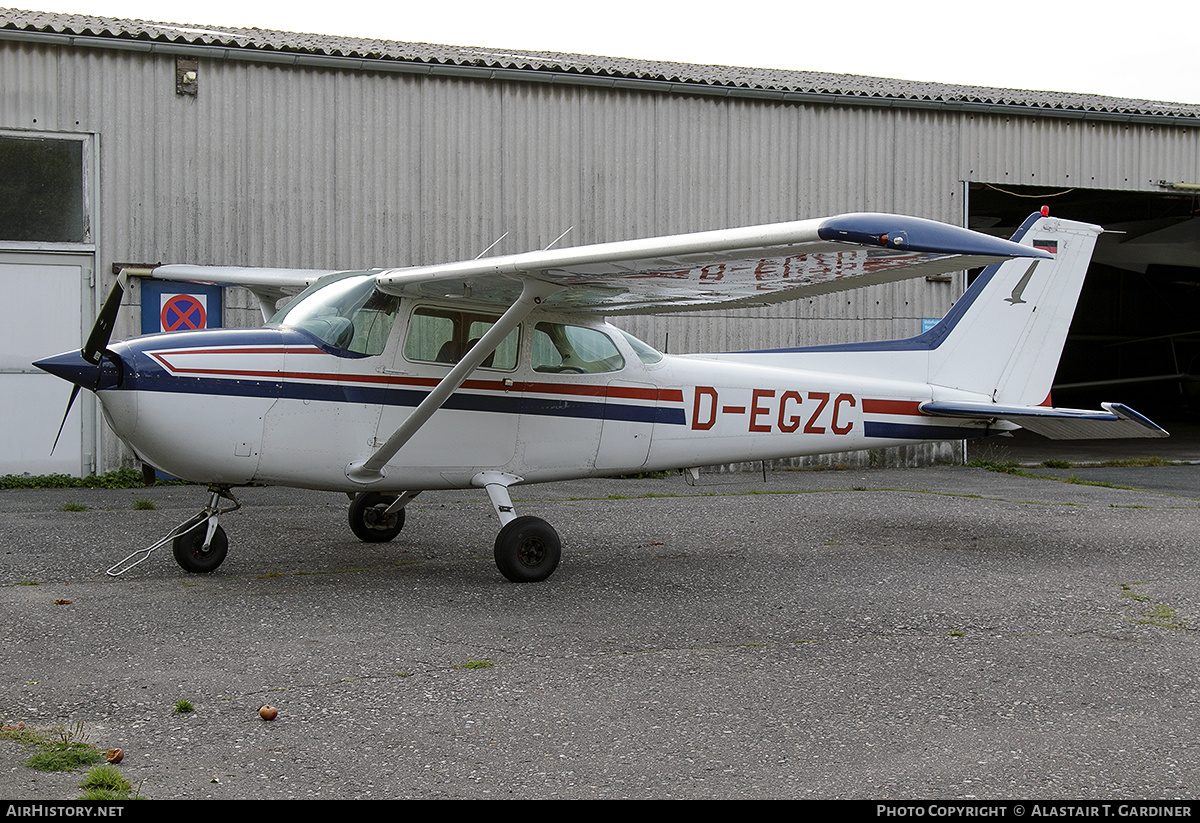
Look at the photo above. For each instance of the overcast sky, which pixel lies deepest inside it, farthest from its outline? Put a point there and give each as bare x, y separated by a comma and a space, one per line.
1143, 50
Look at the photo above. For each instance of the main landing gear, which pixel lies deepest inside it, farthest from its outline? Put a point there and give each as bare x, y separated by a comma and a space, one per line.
527, 549
378, 518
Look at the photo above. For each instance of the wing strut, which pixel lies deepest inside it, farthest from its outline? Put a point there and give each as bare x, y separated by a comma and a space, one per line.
533, 292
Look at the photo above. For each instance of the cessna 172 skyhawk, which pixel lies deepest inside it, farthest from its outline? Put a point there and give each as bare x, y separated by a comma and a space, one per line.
498, 371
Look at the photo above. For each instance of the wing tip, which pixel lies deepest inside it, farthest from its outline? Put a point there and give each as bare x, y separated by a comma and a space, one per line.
904, 233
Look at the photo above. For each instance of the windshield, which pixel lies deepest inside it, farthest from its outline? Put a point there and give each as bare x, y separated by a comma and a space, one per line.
347, 312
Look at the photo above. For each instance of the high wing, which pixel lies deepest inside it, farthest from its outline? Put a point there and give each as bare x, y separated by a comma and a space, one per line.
726, 268
718, 269
268, 285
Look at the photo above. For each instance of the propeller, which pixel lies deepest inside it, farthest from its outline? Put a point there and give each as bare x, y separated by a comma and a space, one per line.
101, 333
96, 343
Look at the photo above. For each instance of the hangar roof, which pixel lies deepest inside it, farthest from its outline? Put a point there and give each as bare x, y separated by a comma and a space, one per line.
580, 68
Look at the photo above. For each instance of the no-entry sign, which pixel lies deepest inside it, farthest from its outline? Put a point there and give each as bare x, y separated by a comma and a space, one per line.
181, 312
168, 306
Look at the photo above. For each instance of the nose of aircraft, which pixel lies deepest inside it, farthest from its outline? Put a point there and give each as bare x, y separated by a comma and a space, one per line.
74, 368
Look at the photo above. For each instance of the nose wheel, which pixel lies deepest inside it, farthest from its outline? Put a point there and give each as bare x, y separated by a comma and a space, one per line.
198, 553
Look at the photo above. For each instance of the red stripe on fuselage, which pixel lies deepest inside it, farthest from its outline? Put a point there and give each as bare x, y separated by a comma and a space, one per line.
575, 389
905, 407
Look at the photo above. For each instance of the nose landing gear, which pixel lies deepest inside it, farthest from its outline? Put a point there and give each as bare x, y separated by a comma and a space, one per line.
198, 543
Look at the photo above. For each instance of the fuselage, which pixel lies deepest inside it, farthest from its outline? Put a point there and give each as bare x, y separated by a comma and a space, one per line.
562, 398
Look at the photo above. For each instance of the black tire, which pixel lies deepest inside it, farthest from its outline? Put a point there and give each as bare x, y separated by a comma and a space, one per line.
368, 521
527, 550
189, 551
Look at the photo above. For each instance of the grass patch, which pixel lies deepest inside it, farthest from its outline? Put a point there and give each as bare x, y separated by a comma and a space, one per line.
1009, 467
60, 749
145, 505
26, 735
184, 707
1108, 464
1156, 614
1002, 466
64, 757
1160, 615
116, 479
478, 664
73, 507
65, 749
105, 783
1136, 461
1127, 591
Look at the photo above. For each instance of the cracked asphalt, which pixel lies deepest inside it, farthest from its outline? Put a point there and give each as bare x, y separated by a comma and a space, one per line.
942, 632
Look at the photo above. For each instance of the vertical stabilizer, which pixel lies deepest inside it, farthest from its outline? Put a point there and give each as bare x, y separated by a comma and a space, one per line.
1005, 336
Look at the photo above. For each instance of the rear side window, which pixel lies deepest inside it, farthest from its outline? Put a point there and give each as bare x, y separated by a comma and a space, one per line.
444, 336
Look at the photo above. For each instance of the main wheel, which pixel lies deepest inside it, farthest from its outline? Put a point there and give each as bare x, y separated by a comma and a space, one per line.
190, 553
368, 518
527, 550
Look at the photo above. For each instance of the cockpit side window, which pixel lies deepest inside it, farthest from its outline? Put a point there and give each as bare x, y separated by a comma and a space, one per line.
444, 335
562, 349
346, 313
645, 352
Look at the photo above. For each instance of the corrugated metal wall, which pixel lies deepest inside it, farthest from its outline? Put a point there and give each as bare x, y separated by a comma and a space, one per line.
324, 168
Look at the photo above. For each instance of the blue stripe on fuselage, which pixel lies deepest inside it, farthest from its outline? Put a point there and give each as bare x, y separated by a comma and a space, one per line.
156, 379
916, 431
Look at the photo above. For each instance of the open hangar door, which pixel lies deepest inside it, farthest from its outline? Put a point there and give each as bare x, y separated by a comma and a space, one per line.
1135, 338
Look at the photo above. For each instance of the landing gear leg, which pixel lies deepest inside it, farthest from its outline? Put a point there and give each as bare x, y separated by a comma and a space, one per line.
527, 548
198, 543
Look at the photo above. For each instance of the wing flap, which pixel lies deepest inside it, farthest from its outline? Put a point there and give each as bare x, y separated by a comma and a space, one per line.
1114, 422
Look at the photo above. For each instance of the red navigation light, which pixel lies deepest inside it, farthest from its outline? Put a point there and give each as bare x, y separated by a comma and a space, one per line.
1045, 211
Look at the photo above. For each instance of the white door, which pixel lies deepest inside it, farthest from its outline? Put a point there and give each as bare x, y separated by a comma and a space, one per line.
41, 314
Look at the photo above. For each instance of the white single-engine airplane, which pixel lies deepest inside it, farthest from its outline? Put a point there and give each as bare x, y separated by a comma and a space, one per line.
498, 371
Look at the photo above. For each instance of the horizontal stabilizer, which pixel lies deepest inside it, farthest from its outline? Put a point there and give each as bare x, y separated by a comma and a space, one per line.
1114, 422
